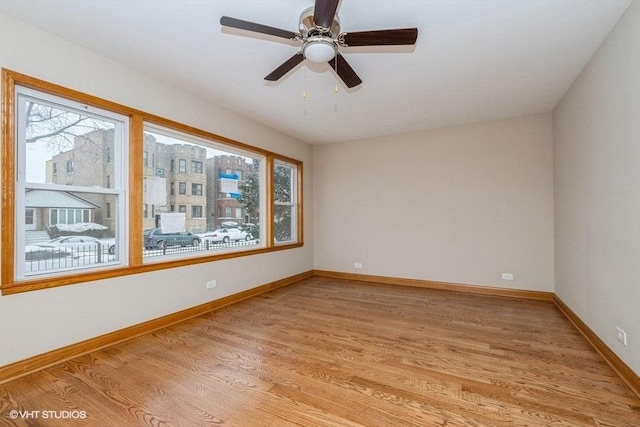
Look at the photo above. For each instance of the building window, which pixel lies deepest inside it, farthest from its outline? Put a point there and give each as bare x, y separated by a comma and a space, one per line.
52, 130
182, 208
196, 189
182, 188
55, 168
58, 217
107, 155
196, 167
145, 158
182, 165
145, 211
238, 213
227, 212
108, 210
173, 189
196, 211
285, 202
173, 165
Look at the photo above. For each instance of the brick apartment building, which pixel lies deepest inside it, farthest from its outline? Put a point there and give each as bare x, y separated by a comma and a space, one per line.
177, 178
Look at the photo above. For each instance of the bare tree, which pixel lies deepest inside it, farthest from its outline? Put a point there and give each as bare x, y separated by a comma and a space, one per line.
56, 126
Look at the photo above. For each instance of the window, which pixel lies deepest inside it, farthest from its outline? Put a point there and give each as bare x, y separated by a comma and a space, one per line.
285, 202
59, 217
66, 169
196, 167
207, 159
52, 130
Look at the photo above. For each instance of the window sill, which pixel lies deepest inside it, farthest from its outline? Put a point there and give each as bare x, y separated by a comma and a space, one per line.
28, 285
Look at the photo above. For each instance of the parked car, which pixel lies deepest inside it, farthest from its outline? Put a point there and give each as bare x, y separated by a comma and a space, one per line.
79, 244
154, 238
37, 253
225, 235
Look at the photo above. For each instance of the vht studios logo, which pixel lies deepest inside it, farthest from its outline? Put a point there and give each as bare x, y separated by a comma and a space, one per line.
47, 414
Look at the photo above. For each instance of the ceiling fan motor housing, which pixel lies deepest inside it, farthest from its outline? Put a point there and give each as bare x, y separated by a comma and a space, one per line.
308, 27
319, 44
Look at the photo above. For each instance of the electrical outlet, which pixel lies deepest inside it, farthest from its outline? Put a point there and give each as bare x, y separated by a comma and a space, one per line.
621, 336
507, 276
211, 284
358, 265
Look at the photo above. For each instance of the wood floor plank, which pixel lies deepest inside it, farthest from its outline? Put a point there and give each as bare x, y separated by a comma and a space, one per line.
332, 352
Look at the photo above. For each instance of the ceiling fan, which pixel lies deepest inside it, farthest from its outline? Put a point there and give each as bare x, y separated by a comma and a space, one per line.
321, 39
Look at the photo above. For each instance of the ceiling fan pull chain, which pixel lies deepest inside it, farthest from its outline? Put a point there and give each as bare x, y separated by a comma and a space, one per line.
304, 84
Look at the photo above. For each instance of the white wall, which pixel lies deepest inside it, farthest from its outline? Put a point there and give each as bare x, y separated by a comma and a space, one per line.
597, 190
35, 322
461, 204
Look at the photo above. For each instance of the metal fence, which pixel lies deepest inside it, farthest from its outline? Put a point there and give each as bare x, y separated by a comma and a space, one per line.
41, 259
47, 258
205, 246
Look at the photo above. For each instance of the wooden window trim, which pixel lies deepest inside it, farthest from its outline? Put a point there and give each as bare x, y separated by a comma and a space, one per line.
137, 120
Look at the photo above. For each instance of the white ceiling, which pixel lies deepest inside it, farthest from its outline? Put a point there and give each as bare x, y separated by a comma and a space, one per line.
475, 60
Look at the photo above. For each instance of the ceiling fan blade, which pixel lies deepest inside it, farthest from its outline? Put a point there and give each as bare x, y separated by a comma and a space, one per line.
324, 12
257, 28
287, 66
400, 36
344, 71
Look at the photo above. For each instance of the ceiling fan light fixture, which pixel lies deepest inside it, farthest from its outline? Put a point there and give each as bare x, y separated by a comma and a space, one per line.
319, 49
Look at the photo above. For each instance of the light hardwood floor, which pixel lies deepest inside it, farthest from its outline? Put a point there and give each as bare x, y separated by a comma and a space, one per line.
328, 352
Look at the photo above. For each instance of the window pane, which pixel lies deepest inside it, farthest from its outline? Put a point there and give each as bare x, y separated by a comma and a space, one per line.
210, 198
68, 238
283, 223
55, 136
285, 204
283, 183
